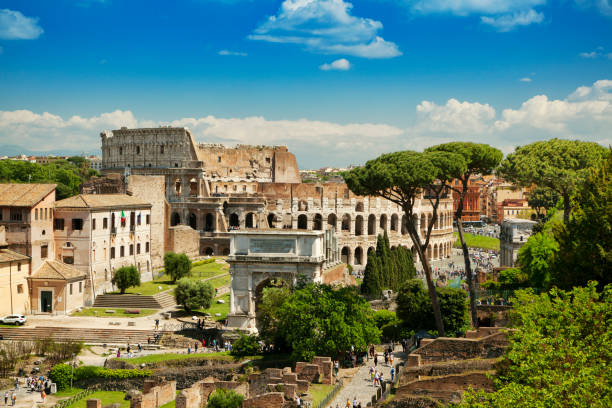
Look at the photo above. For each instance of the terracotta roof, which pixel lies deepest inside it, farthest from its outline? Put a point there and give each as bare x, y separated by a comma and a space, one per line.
100, 201
24, 195
6, 255
51, 269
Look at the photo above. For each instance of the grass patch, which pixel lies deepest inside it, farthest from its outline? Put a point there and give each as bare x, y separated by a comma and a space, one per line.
101, 312
222, 308
209, 270
477, 241
106, 397
160, 358
67, 393
319, 391
221, 281
170, 404
9, 325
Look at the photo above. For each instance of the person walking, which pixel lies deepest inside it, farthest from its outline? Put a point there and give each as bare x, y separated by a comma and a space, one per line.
392, 373
195, 346
118, 352
156, 324
6, 397
375, 359
14, 399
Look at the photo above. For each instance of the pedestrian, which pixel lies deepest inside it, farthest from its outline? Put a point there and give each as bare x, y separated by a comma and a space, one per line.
392, 373
156, 324
139, 348
6, 395
195, 345
336, 368
118, 352
348, 403
354, 402
204, 344
16, 384
298, 401
188, 349
375, 359
43, 395
14, 398
128, 349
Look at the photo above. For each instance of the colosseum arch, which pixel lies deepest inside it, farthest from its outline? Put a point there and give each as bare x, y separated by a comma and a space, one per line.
404, 224
359, 206
234, 221
423, 223
436, 253
303, 205
250, 221
346, 222
383, 222
371, 224
394, 220
193, 187
345, 255
359, 225
177, 187
332, 220
302, 221
272, 220
317, 223
174, 220
193, 221
208, 222
209, 251
371, 250
358, 256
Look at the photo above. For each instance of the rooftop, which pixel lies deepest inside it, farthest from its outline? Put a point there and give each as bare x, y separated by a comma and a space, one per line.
52, 269
95, 201
23, 195
6, 255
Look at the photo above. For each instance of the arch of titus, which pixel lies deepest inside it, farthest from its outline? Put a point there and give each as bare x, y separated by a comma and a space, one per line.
216, 189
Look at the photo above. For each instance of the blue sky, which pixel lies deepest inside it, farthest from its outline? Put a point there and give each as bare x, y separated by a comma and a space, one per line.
338, 81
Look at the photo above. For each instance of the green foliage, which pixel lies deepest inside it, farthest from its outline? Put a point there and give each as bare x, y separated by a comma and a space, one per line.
387, 268
585, 241
318, 320
203, 262
535, 258
415, 311
194, 294
390, 326
555, 164
512, 278
542, 199
126, 277
64, 173
384, 317
559, 356
222, 398
480, 158
268, 314
246, 346
177, 266
61, 374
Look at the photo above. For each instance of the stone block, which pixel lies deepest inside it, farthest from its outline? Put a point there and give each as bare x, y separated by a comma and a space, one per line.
94, 403
413, 360
267, 400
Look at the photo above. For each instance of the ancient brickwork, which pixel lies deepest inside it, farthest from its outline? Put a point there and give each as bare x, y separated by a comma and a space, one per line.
181, 238
446, 348
268, 400
197, 395
155, 393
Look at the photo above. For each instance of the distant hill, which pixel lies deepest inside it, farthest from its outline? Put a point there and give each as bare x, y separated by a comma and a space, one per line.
14, 150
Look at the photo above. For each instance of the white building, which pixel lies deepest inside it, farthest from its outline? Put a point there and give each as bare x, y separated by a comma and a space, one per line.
99, 233
514, 233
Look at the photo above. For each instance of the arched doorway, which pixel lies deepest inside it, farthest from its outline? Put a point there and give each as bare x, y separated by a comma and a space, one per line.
271, 220
208, 222
234, 221
193, 221
404, 225
394, 220
332, 220
302, 221
371, 224
359, 225
209, 251
383, 222
346, 222
175, 219
250, 220
317, 223
371, 250
345, 255
358, 256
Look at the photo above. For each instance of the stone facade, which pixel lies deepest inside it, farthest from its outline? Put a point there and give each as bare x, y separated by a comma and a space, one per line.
14, 269
513, 235
197, 395
155, 393
216, 189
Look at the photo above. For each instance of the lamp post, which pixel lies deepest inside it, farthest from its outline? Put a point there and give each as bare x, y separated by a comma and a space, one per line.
72, 370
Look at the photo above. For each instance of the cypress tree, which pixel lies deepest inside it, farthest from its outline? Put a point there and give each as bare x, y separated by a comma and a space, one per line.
371, 277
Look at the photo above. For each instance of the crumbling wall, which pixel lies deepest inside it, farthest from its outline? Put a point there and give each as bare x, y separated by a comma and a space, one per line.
197, 395
268, 400
183, 238
155, 393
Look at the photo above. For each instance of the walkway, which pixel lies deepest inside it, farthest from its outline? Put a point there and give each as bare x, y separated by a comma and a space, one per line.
360, 385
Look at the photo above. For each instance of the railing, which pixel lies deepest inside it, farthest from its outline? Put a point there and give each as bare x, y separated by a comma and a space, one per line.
330, 396
75, 398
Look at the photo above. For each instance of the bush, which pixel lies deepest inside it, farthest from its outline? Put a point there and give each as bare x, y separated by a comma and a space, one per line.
246, 346
384, 317
177, 266
203, 262
60, 374
126, 277
222, 398
193, 294
85, 372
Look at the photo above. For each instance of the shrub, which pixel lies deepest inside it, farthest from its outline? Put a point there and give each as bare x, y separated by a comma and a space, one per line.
193, 294
177, 266
85, 372
126, 277
222, 398
60, 374
246, 346
203, 262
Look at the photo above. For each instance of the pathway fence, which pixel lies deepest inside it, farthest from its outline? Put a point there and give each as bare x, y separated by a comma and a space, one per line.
75, 398
330, 396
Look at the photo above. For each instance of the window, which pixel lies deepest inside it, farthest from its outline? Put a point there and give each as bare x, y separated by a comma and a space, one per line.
18, 266
161, 149
137, 149
36, 213
131, 249
93, 224
147, 247
44, 251
19, 288
93, 254
148, 219
80, 287
71, 288
121, 251
16, 215
218, 159
112, 253
68, 260
267, 160
104, 223
45, 213
137, 249
77, 224
120, 150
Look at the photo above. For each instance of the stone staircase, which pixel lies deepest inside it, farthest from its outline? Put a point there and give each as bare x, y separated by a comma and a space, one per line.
89, 335
159, 301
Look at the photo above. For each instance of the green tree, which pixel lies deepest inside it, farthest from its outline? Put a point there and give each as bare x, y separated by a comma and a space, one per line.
415, 311
194, 294
480, 159
542, 199
177, 266
536, 258
126, 277
246, 346
585, 241
560, 165
513, 278
222, 398
61, 374
405, 178
371, 284
559, 356
268, 314
318, 320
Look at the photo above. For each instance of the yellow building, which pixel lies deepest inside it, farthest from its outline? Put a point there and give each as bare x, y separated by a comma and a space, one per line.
14, 293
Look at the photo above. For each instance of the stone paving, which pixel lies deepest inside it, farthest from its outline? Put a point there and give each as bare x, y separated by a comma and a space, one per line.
360, 385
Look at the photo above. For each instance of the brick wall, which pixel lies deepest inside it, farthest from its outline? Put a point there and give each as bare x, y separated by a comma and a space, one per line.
446, 348
155, 393
184, 239
197, 395
268, 400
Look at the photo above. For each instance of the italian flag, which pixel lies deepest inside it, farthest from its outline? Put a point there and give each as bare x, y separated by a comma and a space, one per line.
122, 216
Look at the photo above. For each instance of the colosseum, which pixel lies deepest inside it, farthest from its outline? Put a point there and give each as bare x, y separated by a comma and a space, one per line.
214, 189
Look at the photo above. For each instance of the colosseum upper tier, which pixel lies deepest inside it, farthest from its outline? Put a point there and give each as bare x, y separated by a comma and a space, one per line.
214, 189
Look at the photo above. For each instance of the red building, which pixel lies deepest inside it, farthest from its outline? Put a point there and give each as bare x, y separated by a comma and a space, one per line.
472, 200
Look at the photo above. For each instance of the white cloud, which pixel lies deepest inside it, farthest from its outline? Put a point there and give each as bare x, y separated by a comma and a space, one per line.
232, 53
341, 64
16, 26
455, 116
604, 6
592, 54
327, 27
507, 22
525, 79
